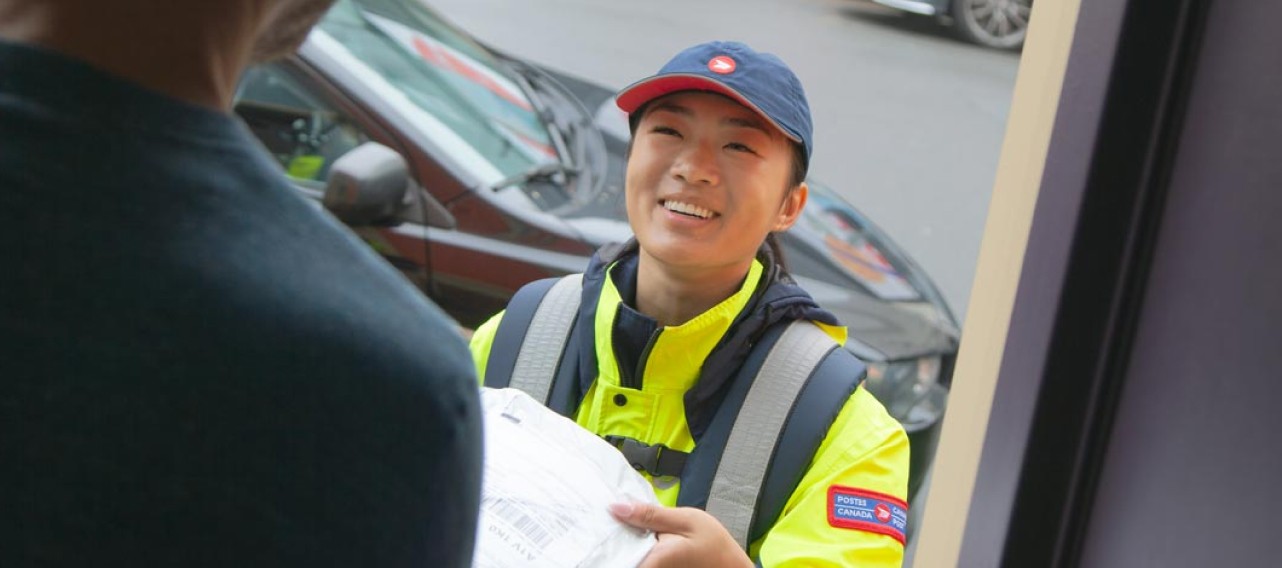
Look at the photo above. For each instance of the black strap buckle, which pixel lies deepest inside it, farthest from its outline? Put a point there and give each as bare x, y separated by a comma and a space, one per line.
655, 459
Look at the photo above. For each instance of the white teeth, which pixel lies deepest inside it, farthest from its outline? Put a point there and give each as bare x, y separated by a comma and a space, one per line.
687, 208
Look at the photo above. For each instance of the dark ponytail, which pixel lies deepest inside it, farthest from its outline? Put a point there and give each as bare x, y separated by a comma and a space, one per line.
776, 250
800, 163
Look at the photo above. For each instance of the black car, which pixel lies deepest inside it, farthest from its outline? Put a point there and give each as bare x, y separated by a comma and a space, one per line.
479, 172
993, 23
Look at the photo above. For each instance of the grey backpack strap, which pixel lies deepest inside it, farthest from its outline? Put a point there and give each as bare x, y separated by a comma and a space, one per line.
532, 334
813, 413
511, 332
750, 447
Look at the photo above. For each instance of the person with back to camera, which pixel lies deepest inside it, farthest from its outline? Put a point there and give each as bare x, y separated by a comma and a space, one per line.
692, 350
200, 368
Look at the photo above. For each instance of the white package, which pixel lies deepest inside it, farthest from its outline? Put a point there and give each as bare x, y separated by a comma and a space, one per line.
546, 488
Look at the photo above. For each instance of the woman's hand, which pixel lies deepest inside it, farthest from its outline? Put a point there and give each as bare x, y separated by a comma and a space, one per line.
687, 536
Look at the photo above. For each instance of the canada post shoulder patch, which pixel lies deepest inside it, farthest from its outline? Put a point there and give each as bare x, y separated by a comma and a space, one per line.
864, 510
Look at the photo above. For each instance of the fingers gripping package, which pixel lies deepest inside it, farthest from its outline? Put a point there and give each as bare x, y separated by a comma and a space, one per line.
547, 488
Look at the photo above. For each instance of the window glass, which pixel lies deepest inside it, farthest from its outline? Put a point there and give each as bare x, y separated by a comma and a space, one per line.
299, 128
448, 76
845, 240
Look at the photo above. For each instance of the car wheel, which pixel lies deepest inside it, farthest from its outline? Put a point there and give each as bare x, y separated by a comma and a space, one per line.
993, 23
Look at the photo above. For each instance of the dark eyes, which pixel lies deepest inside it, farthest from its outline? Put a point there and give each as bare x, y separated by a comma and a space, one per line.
735, 146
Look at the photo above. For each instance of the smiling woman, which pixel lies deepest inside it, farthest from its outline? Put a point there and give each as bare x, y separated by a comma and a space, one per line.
697, 152
690, 346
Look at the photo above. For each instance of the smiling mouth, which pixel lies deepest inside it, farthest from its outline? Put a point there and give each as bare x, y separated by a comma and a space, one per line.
687, 209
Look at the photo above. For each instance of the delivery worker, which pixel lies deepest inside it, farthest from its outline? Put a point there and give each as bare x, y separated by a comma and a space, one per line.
665, 324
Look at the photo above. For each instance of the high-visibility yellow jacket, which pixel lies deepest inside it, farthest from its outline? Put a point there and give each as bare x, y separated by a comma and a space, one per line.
862, 461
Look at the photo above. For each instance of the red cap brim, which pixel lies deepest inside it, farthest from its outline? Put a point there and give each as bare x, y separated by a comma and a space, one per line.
646, 90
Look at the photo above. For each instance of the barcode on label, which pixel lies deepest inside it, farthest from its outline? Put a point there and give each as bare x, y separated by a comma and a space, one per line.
523, 523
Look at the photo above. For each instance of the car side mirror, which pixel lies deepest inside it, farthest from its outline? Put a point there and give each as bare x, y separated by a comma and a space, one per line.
367, 185
371, 185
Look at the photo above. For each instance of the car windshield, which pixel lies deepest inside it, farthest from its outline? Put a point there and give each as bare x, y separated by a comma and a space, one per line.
849, 241
447, 75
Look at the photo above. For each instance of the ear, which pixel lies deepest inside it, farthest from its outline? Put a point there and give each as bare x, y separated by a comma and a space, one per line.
790, 209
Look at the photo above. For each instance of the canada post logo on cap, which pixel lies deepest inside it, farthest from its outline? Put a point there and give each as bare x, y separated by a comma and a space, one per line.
868, 511
721, 64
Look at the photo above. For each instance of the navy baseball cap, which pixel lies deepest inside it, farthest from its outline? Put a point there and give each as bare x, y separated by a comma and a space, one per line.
759, 81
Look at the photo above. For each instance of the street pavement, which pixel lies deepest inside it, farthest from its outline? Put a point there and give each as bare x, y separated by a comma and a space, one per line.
908, 121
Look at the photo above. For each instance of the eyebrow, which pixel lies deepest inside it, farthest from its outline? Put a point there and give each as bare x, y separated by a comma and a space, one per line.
672, 107
743, 122
754, 123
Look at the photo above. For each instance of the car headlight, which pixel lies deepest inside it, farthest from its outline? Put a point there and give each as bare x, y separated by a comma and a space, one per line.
909, 389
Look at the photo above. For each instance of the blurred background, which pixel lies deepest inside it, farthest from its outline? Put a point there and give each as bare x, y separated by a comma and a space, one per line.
908, 117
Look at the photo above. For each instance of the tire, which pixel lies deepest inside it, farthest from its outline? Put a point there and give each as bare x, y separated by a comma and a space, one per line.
1000, 24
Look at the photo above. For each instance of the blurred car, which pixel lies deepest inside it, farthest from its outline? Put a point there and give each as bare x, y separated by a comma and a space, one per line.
488, 172
994, 23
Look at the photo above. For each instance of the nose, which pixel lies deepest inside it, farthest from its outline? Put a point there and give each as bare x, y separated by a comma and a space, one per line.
697, 164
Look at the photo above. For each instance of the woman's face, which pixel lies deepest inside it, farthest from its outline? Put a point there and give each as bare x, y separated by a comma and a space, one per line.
707, 180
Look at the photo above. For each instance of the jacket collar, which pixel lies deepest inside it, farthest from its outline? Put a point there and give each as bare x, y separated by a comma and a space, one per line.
777, 298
